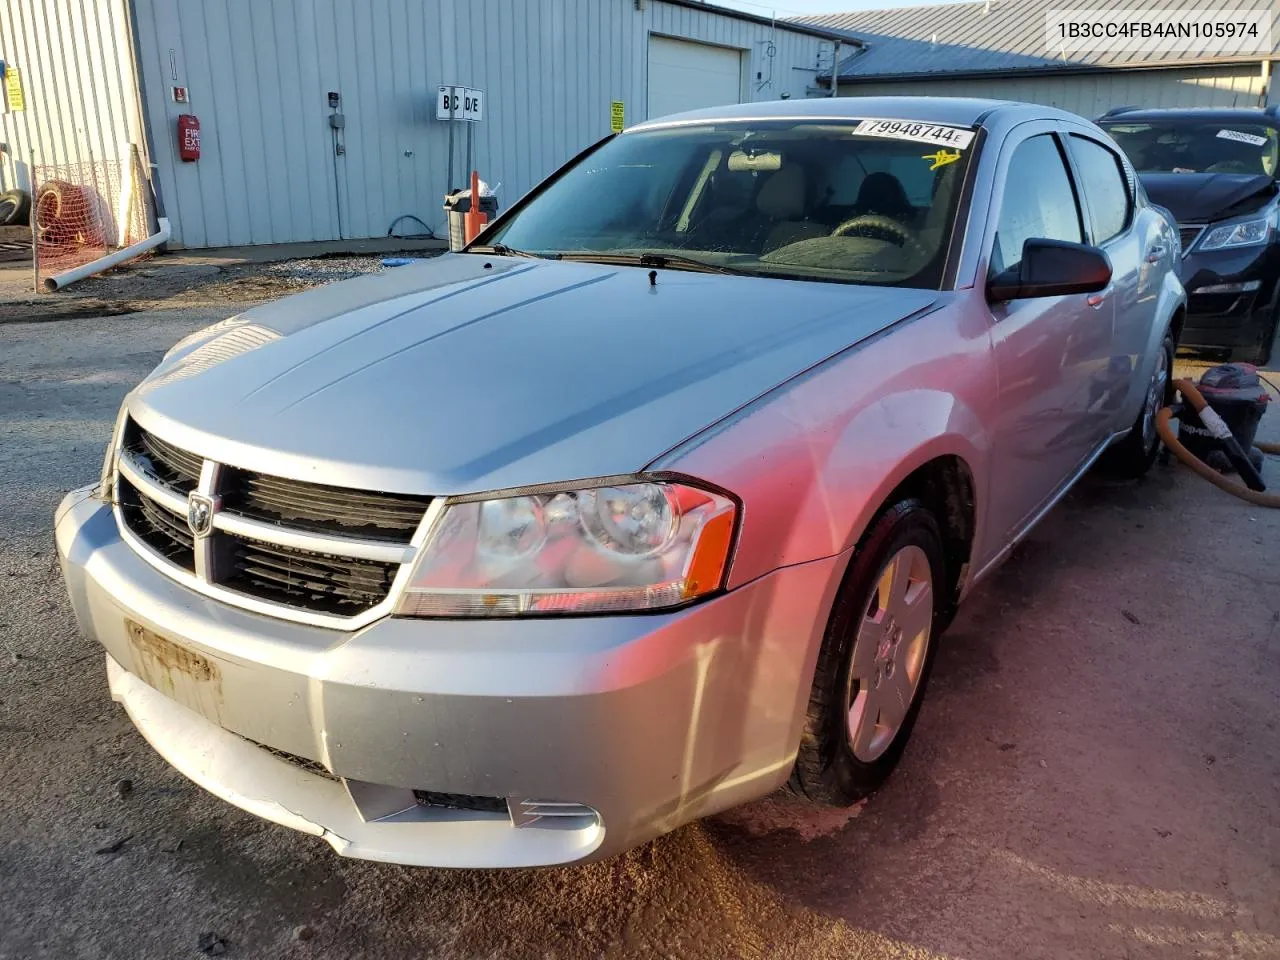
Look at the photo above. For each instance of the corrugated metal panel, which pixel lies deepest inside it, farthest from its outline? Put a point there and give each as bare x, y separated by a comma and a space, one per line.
1091, 95
549, 97
77, 73
1001, 35
255, 72
258, 73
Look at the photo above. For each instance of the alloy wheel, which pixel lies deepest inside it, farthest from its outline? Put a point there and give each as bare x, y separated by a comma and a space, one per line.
1155, 399
889, 652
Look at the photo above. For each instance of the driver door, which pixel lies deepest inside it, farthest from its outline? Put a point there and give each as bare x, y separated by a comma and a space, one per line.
1047, 349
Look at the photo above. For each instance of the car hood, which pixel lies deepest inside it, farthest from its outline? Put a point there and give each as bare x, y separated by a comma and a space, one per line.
468, 373
1205, 197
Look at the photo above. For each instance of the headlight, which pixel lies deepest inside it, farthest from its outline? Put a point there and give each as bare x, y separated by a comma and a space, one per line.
607, 548
1247, 233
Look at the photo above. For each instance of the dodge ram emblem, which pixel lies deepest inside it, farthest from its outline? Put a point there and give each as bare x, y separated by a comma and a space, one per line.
199, 514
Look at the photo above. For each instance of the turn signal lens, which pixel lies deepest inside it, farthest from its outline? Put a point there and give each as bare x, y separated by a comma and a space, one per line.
610, 548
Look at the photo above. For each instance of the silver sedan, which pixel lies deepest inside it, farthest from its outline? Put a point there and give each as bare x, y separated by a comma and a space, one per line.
654, 499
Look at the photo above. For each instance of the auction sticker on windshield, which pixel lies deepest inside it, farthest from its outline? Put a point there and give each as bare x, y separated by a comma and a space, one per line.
1249, 138
956, 137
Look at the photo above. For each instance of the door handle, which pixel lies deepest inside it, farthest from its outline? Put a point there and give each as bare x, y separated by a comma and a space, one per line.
1096, 299
1156, 253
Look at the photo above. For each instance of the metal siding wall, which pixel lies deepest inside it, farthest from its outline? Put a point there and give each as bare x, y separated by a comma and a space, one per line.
258, 70
550, 80
77, 74
1091, 95
253, 70
551, 68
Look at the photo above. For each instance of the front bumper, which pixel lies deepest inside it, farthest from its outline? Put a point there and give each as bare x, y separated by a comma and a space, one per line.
649, 720
1230, 320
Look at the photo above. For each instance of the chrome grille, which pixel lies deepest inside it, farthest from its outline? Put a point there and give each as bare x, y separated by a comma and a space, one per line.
1188, 234
325, 509
307, 551
155, 526
170, 465
339, 585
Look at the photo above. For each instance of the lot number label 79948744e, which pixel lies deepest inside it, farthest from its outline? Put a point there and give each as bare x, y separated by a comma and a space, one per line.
956, 137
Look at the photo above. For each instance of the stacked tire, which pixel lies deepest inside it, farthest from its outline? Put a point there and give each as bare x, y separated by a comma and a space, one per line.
15, 208
65, 215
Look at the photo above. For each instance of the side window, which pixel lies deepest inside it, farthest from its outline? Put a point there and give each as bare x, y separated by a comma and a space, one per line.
1102, 179
1038, 202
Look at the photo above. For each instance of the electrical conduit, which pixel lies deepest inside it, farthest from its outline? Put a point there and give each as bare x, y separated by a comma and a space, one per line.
60, 280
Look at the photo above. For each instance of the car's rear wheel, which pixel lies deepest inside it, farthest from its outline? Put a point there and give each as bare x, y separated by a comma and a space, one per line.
875, 659
1133, 456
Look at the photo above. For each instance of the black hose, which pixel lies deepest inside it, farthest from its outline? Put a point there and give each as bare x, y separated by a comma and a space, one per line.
1165, 428
1269, 382
409, 216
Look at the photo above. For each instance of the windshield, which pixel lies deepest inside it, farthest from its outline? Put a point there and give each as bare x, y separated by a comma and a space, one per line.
802, 200
1172, 146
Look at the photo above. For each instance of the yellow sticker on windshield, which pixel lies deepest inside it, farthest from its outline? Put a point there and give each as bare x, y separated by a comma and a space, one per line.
941, 158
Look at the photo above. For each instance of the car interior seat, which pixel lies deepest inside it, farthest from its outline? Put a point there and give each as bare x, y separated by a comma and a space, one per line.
783, 200
882, 193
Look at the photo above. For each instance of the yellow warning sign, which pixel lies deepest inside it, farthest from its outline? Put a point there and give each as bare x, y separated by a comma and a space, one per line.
617, 116
941, 158
13, 89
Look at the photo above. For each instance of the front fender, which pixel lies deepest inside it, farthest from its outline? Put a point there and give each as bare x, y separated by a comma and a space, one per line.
1170, 298
815, 463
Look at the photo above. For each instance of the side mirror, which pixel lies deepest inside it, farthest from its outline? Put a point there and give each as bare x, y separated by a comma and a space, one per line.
1051, 268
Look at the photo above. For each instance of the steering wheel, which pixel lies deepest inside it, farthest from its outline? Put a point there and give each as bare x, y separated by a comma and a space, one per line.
881, 228
1228, 166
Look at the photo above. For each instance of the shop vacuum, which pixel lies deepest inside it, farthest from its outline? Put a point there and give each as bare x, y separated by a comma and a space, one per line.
1217, 425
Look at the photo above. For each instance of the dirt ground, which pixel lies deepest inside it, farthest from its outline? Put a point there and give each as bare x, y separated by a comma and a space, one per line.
1094, 772
174, 282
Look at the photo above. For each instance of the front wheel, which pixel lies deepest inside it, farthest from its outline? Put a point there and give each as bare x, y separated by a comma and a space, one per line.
1261, 354
1133, 456
875, 659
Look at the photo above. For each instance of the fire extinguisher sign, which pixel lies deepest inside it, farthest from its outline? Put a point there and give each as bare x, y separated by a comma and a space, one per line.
188, 138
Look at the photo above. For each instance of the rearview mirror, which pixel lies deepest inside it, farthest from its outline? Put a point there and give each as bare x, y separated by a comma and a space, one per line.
1051, 268
739, 161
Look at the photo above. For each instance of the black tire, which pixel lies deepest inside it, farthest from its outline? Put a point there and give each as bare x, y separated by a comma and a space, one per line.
1262, 355
826, 770
15, 208
1133, 456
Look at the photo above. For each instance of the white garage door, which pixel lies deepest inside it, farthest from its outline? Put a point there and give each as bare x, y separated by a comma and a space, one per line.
686, 76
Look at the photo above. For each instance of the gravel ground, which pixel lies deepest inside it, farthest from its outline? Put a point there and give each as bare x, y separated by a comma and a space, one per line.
1094, 772
176, 281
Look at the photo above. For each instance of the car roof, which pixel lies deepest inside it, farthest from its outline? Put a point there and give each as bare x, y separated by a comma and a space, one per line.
958, 111
1204, 114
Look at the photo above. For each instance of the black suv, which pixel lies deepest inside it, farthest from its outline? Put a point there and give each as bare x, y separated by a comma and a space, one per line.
1216, 172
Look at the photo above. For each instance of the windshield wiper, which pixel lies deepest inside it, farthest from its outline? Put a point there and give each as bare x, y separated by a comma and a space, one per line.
663, 261
502, 250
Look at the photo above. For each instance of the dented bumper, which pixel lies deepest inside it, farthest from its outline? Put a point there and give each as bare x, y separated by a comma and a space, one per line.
457, 743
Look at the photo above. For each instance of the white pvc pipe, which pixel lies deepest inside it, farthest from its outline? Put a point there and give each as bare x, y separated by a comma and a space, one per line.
60, 280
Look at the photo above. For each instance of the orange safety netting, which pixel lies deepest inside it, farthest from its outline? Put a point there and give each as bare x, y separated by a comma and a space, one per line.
83, 211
